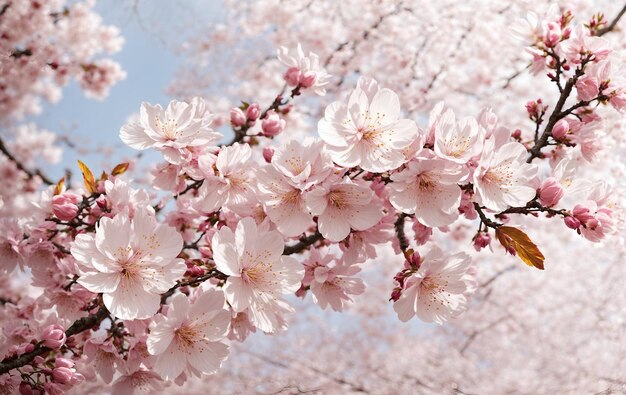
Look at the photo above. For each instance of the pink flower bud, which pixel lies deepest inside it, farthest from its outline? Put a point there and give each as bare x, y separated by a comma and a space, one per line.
587, 88
64, 207
237, 117
272, 124
25, 388
553, 34
582, 214
253, 112
293, 76
53, 336
308, 79
268, 153
481, 241
63, 363
572, 222
395, 294
550, 192
560, 129
62, 375
517, 134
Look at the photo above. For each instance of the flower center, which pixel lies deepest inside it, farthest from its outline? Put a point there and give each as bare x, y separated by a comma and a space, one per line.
337, 199
187, 335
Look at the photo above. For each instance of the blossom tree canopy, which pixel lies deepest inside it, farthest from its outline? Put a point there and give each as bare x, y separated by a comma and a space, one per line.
447, 175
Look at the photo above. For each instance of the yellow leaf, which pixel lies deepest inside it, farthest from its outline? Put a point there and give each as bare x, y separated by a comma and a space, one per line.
88, 178
528, 252
120, 169
59, 187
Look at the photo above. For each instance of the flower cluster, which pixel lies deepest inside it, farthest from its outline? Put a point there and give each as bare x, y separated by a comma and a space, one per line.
155, 293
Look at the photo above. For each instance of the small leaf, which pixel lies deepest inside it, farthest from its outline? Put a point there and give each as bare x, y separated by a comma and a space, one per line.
120, 169
519, 241
88, 179
59, 187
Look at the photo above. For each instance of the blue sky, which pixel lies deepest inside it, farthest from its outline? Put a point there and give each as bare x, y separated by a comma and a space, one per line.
150, 64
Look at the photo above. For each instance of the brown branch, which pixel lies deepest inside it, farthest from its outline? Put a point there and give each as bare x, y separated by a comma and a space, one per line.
557, 113
21, 167
399, 226
484, 219
78, 326
303, 244
613, 23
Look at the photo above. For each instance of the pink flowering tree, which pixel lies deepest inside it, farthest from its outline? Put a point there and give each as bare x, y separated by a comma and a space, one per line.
360, 188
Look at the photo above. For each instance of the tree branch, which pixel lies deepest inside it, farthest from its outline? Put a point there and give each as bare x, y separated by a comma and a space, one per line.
78, 326
303, 244
613, 23
21, 167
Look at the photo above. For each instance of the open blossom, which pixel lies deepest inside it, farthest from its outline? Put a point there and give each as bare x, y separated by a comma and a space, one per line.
367, 131
429, 189
258, 273
284, 203
304, 163
177, 126
304, 71
332, 283
438, 289
131, 262
582, 45
343, 206
189, 337
503, 177
458, 142
229, 179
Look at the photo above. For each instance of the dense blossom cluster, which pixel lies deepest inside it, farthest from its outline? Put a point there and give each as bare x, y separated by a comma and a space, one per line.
140, 294
44, 45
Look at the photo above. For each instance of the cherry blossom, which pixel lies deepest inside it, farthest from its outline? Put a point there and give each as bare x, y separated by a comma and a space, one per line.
503, 178
429, 189
436, 290
258, 274
367, 131
189, 337
131, 262
343, 206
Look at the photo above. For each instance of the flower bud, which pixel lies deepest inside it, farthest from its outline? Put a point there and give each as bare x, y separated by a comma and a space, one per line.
268, 153
560, 129
64, 206
253, 112
481, 241
53, 336
237, 117
25, 388
272, 124
62, 375
572, 222
308, 79
63, 363
550, 192
395, 294
293, 76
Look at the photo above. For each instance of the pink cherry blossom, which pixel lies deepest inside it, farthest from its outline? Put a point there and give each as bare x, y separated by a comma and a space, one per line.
304, 163
438, 289
342, 206
503, 177
429, 189
332, 282
284, 203
458, 142
177, 126
367, 132
131, 262
229, 179
304, 71
190, 336
258, 274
